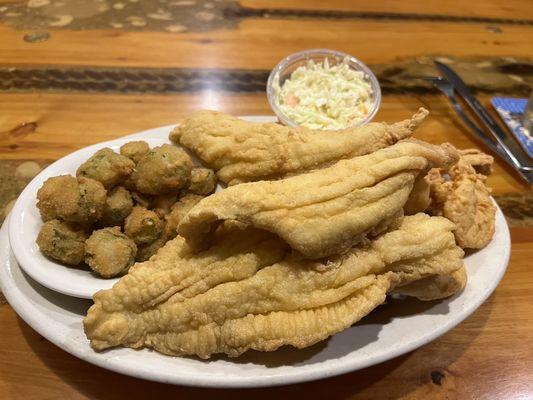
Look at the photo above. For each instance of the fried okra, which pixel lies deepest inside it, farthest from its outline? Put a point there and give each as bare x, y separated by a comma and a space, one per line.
162, 170
141, 199
128, 184
135, 150
80, 200
163, 204
117, 207
107, 167
62, 242
178, 211
145, 251
109, 252
142, 225
203, 181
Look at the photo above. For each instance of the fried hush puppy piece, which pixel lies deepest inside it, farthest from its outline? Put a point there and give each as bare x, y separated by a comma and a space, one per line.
109, 252
237, 296
62, 242
118, 206
241, 151
135, 150
327, 211
178, 212
79, 200
143, 225
162, 170
107, 167
203, 181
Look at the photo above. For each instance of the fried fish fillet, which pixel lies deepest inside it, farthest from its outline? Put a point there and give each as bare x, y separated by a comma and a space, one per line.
465, 200
419, 199
327, 211
251, 299
241, 151
480, 161
435, 287
238, 252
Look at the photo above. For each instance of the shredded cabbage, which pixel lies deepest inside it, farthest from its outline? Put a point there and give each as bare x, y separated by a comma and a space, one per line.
320, 96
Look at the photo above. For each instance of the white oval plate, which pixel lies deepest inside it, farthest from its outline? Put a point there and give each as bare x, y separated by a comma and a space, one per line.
379, 337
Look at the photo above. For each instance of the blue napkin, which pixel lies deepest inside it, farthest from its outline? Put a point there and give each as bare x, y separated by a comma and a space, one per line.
512, 111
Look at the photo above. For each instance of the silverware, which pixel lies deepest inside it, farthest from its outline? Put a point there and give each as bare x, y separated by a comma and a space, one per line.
447, 89
507, 143
499, 142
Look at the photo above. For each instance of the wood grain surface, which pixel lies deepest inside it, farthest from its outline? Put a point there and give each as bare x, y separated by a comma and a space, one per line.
53, 100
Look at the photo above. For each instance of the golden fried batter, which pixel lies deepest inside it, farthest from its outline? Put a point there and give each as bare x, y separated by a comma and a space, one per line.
435, 287
203, 181
143, 225
109, 252
237, 253
464, 200
241, 151
419, 199
106, 167
77, 200
164, 169
147, 250
480, 161
178, 212
324, 212
118, 206
135, 150
248, 292
62, 242
162, 204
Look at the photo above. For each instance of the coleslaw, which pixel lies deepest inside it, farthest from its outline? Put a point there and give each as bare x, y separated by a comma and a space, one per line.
324, 96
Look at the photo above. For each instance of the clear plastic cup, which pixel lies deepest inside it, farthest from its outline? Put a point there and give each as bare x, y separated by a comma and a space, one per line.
285, 67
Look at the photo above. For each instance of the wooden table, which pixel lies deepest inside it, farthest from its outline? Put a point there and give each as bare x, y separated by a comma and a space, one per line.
77, 72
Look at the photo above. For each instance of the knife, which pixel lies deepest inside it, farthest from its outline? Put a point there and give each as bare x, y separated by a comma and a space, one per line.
513, 152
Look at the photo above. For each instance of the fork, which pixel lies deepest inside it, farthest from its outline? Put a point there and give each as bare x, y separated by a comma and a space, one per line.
448, 90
